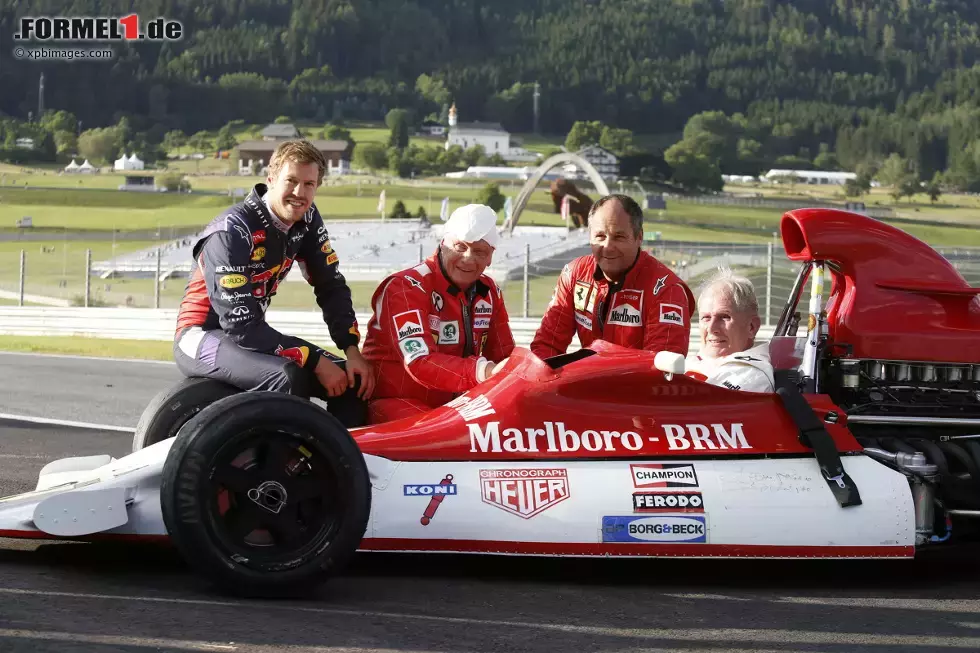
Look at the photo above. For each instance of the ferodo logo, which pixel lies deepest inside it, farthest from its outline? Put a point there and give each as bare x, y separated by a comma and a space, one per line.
554, 437
664, 475
408, 324
524, 492
628, 309
668, 502
233, 281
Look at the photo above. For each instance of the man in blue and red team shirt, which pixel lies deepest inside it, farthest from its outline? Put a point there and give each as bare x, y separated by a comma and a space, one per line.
240, 259
441, 327
620, 294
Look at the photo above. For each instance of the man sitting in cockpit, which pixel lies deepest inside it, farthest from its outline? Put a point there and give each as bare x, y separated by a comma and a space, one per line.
728, 318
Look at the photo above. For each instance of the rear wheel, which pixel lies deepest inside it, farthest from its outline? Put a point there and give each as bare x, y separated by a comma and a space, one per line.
171, 408
266, 494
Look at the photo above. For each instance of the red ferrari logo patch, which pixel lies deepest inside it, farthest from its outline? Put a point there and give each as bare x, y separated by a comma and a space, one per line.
524, 492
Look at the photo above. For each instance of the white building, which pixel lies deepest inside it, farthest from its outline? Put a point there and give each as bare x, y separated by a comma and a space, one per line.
818, 177
492, 136
605, 162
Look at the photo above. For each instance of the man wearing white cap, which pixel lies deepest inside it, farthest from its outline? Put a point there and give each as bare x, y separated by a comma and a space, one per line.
439, 328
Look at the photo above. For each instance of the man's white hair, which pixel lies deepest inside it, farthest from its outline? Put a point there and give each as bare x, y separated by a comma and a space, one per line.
738, 288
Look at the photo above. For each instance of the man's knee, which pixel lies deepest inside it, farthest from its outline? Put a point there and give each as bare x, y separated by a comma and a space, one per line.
291, 379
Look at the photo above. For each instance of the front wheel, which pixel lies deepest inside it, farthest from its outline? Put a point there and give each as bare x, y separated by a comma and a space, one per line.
266, 494
171, 408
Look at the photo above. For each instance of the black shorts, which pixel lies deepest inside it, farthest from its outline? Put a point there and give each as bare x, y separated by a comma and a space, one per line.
214, 355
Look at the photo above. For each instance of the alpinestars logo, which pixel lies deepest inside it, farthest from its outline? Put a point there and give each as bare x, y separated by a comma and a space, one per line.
628, 309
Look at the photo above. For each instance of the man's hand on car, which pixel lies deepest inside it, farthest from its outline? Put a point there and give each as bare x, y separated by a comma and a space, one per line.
357, 365
331, 377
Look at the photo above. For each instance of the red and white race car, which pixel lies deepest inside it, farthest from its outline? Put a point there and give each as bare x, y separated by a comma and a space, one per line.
867, 449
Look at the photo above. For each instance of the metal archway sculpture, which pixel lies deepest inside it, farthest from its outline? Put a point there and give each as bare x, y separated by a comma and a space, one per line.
553, 162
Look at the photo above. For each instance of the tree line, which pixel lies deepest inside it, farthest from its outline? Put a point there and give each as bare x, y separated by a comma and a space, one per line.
749, 83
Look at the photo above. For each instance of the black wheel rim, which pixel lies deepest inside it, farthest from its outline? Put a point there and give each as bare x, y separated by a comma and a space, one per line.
274, 496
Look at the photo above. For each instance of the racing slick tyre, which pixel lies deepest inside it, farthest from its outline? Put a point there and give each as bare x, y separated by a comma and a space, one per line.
266, 494
171, 408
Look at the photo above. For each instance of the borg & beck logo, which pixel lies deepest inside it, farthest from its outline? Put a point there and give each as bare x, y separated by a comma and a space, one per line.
679, 529
664, 475
408, 324
668, 502
524, 492
628, 309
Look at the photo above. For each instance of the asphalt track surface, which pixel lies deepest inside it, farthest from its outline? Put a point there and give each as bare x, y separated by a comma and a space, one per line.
139, 598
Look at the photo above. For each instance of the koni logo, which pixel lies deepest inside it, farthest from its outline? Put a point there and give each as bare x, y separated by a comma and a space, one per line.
97, 28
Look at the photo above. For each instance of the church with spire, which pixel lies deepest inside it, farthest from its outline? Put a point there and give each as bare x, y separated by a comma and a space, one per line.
491, 135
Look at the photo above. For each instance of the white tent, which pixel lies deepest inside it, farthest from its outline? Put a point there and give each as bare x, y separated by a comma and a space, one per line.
131, 162
134, 162
72, 167
121, 163
86, 167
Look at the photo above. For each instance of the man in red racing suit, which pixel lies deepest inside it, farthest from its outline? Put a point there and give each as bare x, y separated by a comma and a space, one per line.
239, 261
440, 328
620, 294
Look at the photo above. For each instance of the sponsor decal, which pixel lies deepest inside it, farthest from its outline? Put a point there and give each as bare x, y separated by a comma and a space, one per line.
481, 323
664, 475
661, 282
239, 311
437, 493
258, 254
679, 529
298, 354
413, 348
524, 492
471, 408
414, 282
583, 321
322, 229
627, 308
668, 502
220, 269
354, 331
258, 291
449, 333
584, 296
232, 296
437, 301
233, 281
241, 231
672, 314
484, 308
483, 343
332, 258
326, 249
554, 437
296, 236
262, 277
408, 324
258, 236
699, 436
434, 323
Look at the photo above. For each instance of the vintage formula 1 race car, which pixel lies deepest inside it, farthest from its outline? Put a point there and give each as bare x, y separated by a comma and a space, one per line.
867, 449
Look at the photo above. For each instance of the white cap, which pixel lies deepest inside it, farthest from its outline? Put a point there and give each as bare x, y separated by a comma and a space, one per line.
471, 223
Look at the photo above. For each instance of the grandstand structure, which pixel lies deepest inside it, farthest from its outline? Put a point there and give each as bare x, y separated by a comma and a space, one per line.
369, 250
